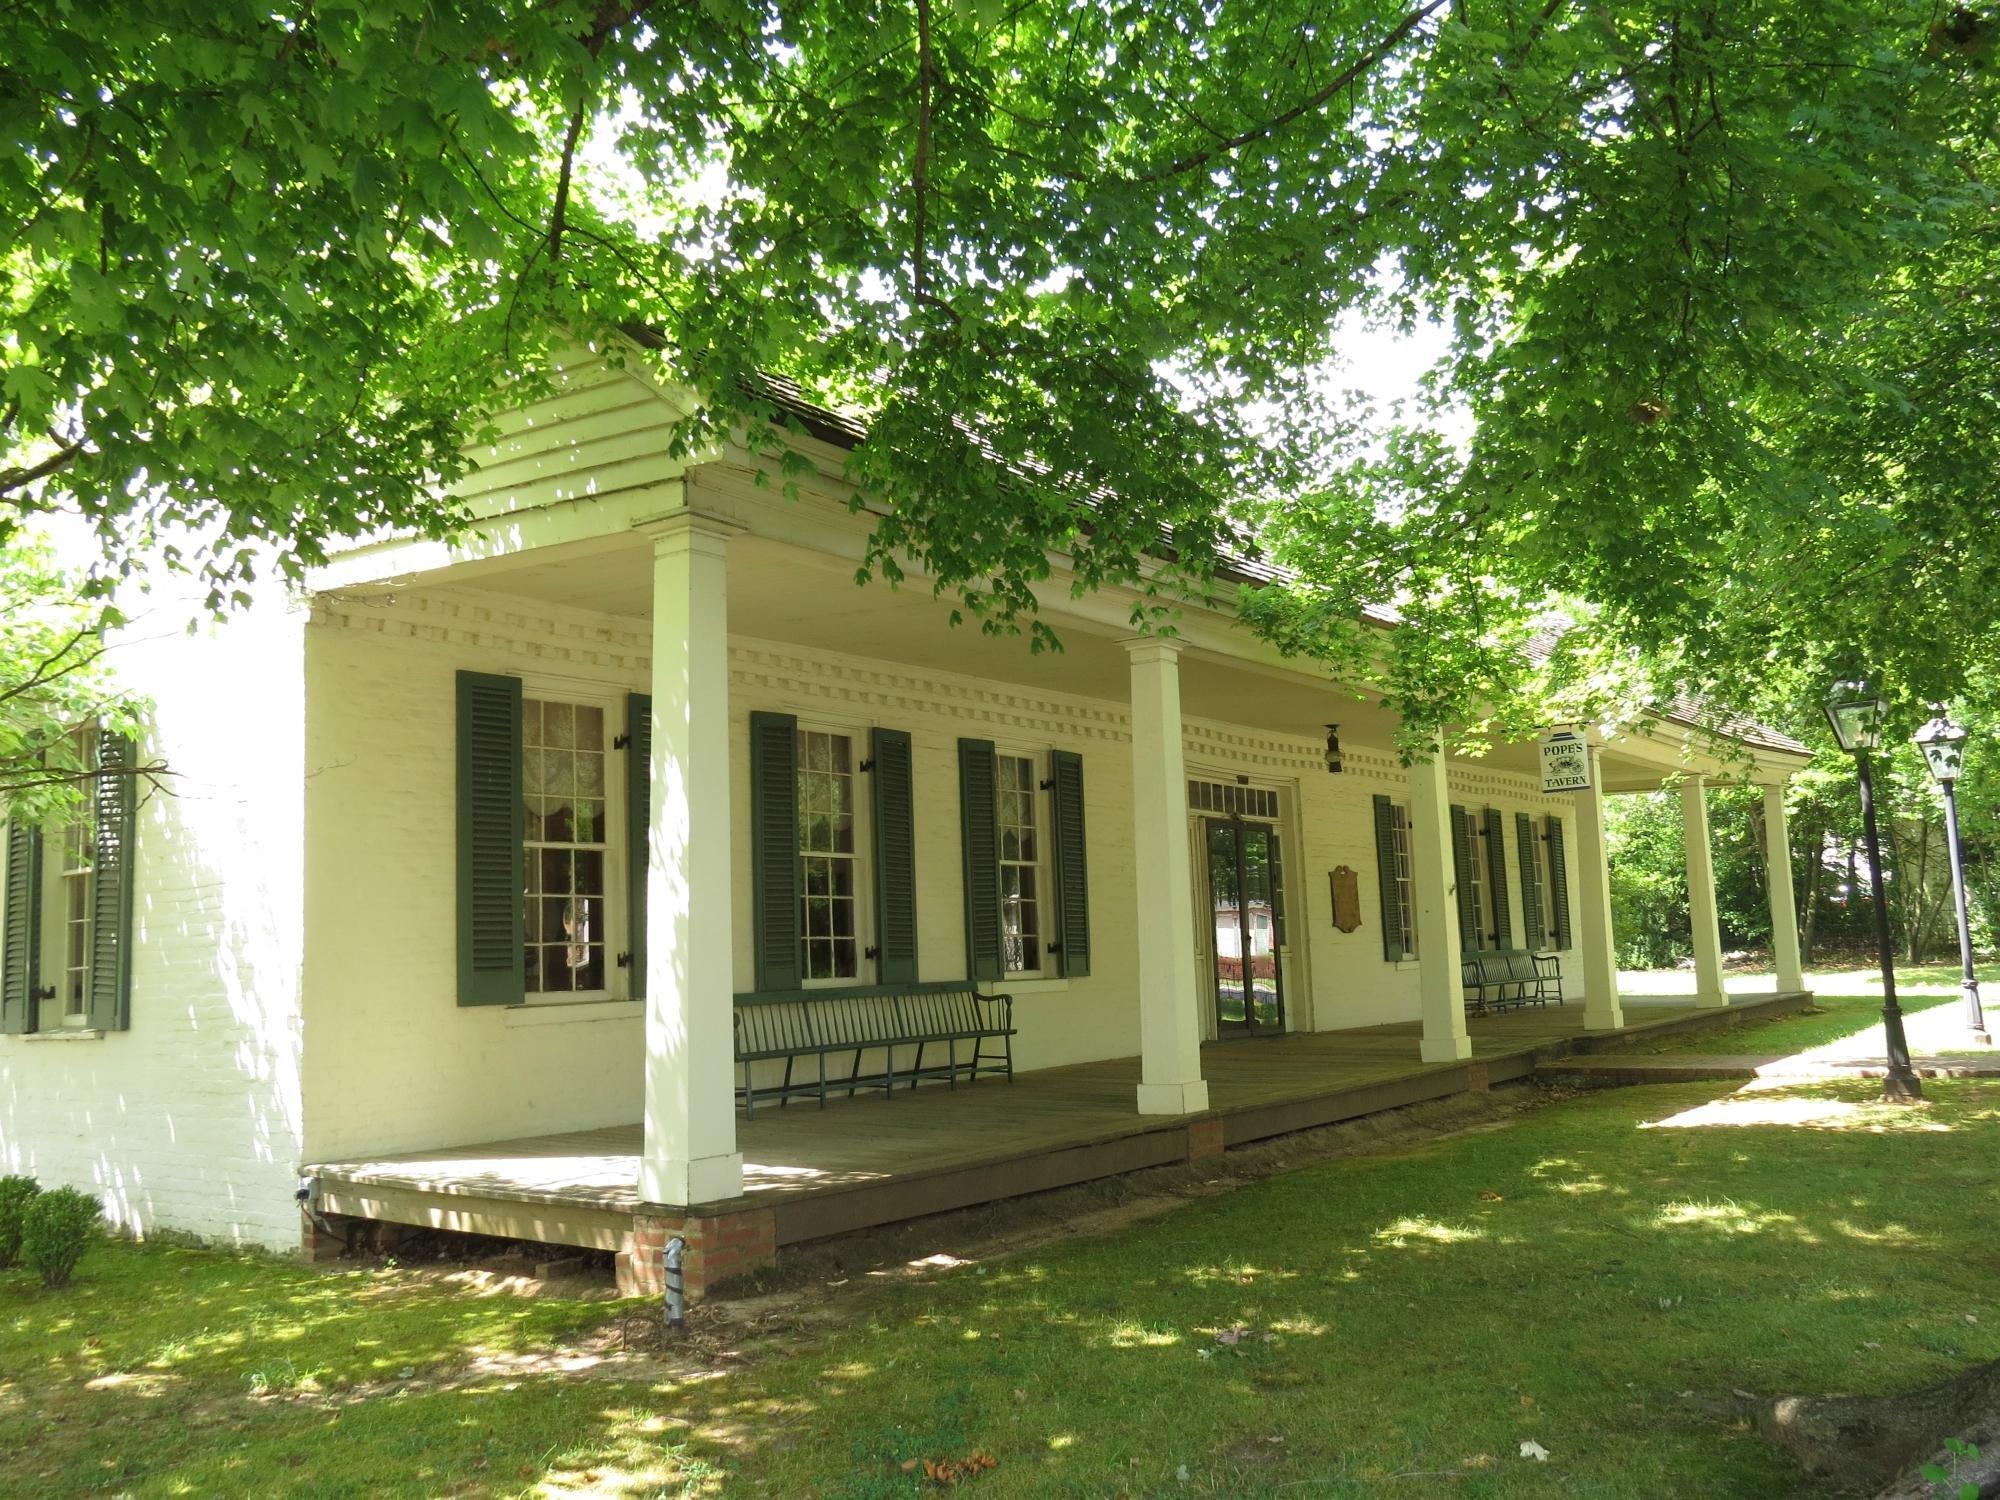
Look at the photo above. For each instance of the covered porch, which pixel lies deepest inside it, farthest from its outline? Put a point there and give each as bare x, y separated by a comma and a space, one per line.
868, 1161
710, 630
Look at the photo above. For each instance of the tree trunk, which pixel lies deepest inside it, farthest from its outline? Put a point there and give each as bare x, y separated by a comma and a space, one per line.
1809, 892
1875, 1444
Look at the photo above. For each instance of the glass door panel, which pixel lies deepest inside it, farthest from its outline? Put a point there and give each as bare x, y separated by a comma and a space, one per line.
1246, 898
1225, 873
1263, 927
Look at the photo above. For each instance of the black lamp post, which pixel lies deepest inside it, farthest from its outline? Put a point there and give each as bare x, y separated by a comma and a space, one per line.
1943, 744
1855, 711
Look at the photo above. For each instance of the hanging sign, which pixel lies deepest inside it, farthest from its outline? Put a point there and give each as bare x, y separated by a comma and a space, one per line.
1565, 763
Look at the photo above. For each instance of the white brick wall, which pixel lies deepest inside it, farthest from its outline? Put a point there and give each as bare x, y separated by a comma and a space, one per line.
190, 1120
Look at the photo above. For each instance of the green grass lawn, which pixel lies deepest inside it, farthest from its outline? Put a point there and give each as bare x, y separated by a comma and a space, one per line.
1382, 1326
1849, 1001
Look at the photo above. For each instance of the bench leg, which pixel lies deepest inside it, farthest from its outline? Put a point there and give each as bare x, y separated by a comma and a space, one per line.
822, 1080
917, 1068
785, 1099
951, 1064
749, 1096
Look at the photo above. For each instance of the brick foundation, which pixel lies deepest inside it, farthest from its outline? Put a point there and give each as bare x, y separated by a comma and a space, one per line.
720, 1247
324, 1238
1477, 1076
1204, 1138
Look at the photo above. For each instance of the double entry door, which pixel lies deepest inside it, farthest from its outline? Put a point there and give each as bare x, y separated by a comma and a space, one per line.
1246, 893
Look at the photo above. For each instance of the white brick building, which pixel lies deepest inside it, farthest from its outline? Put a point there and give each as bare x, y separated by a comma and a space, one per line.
345, 943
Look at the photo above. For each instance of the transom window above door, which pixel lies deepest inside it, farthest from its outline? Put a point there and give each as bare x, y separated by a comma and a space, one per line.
1233, 799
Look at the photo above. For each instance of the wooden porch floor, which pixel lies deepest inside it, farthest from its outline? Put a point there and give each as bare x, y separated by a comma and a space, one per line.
871, 1160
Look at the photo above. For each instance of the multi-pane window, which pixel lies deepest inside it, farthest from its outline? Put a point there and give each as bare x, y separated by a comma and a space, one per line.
566, 838
1402, 887
1475, 883
828, 855
78, 847
1233, 799
1020, 864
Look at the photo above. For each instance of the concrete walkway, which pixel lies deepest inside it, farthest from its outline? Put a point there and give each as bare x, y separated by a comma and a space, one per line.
1939, 1043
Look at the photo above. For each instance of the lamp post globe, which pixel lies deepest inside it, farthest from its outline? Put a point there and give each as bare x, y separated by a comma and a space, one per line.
1855, 712
1943, 744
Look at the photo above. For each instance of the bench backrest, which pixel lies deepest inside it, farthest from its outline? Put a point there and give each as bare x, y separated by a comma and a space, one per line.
773, 1024
1498, 966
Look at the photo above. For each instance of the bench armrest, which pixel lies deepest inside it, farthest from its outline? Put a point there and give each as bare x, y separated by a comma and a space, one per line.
1003, 1001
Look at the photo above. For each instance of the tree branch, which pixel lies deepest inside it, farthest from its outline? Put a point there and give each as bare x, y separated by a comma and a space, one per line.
1306, 106
14, 479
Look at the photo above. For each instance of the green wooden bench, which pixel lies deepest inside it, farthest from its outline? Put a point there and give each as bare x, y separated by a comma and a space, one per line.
787, 1026
1501, 978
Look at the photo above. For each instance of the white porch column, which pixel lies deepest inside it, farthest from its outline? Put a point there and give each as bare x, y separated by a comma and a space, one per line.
1431, 876
1601, 1009
690, 1141
1169, 1021
1778, 880
1709, 991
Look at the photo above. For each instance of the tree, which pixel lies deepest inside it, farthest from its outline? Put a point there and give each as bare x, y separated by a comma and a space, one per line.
53, 679
266, 267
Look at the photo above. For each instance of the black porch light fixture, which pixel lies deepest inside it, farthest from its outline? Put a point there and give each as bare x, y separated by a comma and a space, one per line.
1334, 764
1855, 711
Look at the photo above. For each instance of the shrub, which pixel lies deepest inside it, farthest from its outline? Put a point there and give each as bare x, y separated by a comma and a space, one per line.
16, 1193
61, 1225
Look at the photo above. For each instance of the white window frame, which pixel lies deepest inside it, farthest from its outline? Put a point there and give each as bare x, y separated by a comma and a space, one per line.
863, 858
1481, 872
611, 702
1403, 879
1038, 773
53, 968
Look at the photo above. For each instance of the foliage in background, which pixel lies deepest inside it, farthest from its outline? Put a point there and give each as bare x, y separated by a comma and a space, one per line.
53, 679
1829, 868
1721, 280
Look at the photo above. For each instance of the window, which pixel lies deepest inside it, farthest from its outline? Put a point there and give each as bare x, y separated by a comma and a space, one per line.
65, 921
76, 878
1021, 943
67, 888
1233, 799
829, 925
1479, 898
566, 847
1400, 883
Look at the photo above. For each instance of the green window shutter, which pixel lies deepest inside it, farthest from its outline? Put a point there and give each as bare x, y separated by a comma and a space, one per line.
114, 805
1531, 883
1559, 884
490, 884
1496, 885
20, 939
978, 808
638, 831
892, 790
1462, 855
1394, 943
774, 850
1071, 862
